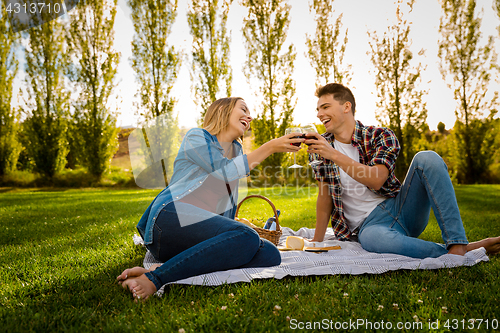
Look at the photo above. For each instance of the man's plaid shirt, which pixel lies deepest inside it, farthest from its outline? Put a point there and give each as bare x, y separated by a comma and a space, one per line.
376, 145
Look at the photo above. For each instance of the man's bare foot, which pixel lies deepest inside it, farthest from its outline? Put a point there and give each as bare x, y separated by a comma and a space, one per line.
135, 272
492, 245
141, 287
458, 249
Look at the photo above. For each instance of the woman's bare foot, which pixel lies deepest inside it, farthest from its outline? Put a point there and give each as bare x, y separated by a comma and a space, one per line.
492, 245
141, 287
135, 272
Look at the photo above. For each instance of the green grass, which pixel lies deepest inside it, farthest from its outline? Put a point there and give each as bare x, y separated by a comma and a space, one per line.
62, 250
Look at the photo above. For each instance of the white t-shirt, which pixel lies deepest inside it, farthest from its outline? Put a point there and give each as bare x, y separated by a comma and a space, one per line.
357, 199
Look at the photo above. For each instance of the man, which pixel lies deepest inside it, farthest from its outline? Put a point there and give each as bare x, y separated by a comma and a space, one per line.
360, 194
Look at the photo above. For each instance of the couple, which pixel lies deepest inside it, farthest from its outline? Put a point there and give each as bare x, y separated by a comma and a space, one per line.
190, 225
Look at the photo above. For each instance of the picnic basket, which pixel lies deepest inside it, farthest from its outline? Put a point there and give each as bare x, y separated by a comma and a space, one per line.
271, 235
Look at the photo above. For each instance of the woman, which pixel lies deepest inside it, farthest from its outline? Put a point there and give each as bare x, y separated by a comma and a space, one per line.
190, 225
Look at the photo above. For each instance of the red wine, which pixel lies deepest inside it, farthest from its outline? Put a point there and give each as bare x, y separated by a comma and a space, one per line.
309, 138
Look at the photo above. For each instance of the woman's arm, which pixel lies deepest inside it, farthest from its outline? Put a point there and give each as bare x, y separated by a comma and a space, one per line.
279, 145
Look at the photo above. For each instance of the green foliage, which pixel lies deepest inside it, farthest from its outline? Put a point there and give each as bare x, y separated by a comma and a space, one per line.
211, 55
47, 105
400, 105
326, 50
470, 67
265, 31
9, 122
90, 39
156, 65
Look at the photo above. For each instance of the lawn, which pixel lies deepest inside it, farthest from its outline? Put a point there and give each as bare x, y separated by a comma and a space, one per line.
61, 251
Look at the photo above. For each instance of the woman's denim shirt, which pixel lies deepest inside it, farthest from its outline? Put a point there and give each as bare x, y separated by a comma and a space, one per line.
200, 155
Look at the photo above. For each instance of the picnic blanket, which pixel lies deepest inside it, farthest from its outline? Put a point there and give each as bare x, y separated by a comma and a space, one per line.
351, 259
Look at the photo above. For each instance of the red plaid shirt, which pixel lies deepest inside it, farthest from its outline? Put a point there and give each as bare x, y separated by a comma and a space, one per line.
376, 145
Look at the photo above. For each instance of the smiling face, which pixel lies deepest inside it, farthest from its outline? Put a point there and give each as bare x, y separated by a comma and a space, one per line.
239, 121
333, 114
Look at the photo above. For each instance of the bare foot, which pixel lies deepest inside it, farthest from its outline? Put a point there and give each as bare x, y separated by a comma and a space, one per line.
492, 245
458, 249
141, 287
134, 272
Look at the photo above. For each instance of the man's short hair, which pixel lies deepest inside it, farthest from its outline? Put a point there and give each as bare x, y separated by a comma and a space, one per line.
340, 93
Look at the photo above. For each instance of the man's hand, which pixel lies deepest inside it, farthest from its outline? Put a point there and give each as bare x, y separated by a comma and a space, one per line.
320, 146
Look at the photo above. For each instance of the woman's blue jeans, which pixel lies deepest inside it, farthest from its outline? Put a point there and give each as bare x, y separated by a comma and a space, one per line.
394, 225
214, 244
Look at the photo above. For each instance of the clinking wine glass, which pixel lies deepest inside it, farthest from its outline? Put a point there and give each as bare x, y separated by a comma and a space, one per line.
311, 128
294, 130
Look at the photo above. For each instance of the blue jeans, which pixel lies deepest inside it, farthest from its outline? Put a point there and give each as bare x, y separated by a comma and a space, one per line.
394, 225
214, 244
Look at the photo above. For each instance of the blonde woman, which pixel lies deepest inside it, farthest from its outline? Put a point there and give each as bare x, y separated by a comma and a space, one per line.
190, 225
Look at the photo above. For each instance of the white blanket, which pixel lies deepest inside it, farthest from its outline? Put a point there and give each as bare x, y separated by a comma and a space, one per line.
351, 259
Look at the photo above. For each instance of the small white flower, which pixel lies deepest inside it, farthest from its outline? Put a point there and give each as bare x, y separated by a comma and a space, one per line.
395, 306
416, 318
346, 295
231, 295
420, 301
223, 307
181, 330
287, 318
380, 307
277, 307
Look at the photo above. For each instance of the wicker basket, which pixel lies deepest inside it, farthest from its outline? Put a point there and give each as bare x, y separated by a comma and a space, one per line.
271, 235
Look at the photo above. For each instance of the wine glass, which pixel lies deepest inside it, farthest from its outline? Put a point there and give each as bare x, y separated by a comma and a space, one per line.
311, 128
294, 130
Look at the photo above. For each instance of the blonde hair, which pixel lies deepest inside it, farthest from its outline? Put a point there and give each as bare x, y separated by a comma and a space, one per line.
218, 113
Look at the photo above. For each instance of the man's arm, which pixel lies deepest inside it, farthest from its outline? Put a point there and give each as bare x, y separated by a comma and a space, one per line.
324, 206
372, 176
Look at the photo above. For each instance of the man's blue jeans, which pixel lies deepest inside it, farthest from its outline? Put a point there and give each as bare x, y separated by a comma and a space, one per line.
215, 244
394, 225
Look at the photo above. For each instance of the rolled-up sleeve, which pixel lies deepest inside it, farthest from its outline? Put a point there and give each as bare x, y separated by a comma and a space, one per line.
386, 149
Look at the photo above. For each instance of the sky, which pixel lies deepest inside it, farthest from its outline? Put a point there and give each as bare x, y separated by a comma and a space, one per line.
359, 16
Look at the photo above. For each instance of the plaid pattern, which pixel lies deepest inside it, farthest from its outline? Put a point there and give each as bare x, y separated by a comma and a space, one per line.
376, 145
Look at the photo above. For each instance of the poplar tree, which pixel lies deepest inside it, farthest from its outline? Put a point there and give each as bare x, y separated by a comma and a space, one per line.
90, 38
47, 103
326, 50
271, 64
210, 68
468, 64
400, 105
9, 66
156, 65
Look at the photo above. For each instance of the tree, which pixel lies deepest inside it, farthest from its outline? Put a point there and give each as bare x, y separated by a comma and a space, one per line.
211, 63
156, 66
496, 7
90, 39
9, 66
400, 105
47, 105
265, 30
469, 65
326, 50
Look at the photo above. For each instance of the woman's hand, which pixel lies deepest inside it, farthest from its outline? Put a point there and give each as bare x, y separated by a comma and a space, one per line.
285, 143
282, 144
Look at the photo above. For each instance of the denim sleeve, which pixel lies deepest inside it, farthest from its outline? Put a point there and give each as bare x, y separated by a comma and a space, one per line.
201, 150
